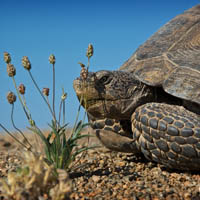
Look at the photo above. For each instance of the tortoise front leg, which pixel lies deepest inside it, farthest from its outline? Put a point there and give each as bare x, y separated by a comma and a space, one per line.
168, 134
116, 142
115, 135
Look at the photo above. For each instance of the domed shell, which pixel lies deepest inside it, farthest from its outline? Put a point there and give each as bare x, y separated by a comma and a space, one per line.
171, 57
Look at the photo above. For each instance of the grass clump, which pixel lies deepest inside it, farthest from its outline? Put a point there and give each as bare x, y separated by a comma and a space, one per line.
43, 174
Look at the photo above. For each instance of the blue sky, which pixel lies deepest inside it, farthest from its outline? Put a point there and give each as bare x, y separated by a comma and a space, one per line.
65, 28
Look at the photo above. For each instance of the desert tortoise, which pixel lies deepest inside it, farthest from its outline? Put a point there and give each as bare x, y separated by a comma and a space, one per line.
152, 103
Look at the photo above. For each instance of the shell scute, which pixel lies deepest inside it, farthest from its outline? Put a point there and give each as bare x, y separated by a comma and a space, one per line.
171, 57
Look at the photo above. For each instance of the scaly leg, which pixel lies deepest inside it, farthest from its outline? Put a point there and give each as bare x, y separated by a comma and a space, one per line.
168, 134
115, 135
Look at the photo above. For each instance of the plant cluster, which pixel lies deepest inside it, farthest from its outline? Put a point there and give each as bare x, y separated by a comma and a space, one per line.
39, 173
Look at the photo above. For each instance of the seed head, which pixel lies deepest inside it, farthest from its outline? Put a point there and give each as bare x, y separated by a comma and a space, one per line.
11, 70
32, 122
7, 57
22, 89
52, 59
64, 96
81, 64
84, 72
90, 51
11, 97
45, 91
26, 63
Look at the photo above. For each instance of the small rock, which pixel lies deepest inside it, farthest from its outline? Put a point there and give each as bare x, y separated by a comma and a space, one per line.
187, 195
121, 164
95, 178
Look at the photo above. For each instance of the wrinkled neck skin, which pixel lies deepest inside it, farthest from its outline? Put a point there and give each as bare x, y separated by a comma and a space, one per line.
121, 108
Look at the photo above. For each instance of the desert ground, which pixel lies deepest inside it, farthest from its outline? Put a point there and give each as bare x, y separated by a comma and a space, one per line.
103, 174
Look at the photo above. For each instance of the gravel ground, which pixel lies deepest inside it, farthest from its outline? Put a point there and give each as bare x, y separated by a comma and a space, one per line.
110, 175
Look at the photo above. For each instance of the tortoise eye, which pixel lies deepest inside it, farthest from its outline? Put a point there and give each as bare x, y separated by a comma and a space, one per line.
104, 80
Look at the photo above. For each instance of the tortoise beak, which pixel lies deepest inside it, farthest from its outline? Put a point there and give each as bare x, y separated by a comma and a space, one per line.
85, 89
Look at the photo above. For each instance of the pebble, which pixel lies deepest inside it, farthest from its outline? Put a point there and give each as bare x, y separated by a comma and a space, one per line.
96, 178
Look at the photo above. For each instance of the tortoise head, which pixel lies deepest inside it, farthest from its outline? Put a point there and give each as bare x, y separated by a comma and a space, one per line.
111, 94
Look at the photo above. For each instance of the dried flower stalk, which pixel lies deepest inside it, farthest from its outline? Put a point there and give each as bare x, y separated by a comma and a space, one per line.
11, 97
7, 57
26, 63
22, 89
11, 70
52, 59
45, 91
90, 51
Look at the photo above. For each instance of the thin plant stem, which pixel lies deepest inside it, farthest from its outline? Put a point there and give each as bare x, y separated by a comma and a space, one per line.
76, 120
47, 101
20, 99
60, 108
37, 130
85, 103
88, 64
53, 102
63, 112
41, 94
12, 120
84, 116
64, 95
77, 116
14, 137
24, 103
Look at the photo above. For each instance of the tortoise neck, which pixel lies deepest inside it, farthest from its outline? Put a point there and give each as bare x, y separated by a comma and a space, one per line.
161, 96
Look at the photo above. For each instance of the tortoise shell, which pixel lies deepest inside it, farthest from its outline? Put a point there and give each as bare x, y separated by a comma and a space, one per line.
171, 57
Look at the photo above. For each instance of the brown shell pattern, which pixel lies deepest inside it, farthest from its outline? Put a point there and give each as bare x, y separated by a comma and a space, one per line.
171, 57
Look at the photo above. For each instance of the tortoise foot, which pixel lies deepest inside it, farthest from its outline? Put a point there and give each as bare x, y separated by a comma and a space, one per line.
114, 134
116, 142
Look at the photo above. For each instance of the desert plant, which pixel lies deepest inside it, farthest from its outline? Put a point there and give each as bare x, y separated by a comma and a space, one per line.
44, 176
59, 151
